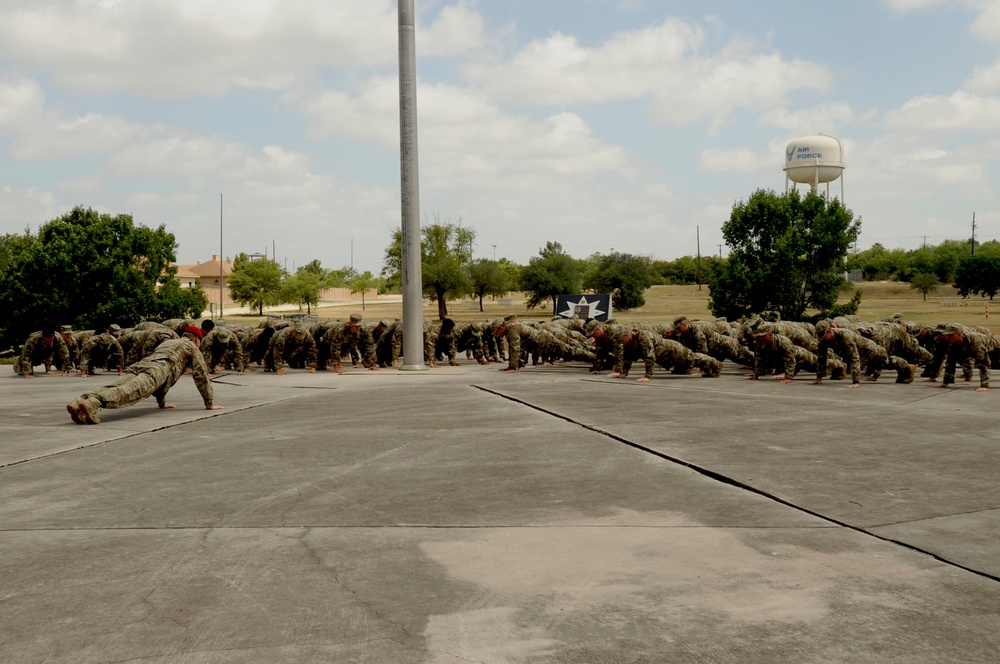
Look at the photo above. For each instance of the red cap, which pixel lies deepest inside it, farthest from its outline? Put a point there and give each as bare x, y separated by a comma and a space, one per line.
191, 329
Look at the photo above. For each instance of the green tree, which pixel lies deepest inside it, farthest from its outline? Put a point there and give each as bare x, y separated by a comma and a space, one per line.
625, 276
304, 286
81, 269
551, 273
256, 283
925, 282
486, 277
444, 251
786, 255
978, 275
362, 283
173, 301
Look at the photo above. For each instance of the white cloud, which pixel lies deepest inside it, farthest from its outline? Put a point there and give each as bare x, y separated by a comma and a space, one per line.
179, 48
661, 63
960, 111
736, 160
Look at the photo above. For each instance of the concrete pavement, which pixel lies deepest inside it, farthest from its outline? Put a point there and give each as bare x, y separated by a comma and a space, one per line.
463, 515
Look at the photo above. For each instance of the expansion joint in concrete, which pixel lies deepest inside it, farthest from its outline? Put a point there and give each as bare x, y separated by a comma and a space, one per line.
719, 477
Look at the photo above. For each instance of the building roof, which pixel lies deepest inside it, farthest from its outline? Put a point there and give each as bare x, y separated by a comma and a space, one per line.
206, 270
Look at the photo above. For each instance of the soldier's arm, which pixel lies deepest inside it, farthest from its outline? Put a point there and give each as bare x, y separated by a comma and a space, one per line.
200, 372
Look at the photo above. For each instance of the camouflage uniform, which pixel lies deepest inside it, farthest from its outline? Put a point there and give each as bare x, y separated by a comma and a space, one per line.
138, 344
293, 345
520, 342
390, 344
800, 334
852, 348
469, 338
102, 351
39, 351
445, 342
975, 346
940, 350
72, 346
704, 337
677, 358
638, 344
256, 344
151, 376
221, 347
896, 339
780, 354
495, 346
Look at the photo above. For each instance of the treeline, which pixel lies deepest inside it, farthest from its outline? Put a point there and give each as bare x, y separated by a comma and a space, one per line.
88, 269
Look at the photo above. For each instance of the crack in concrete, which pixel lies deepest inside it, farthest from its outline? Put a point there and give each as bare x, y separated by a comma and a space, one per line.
724, 479
314, 555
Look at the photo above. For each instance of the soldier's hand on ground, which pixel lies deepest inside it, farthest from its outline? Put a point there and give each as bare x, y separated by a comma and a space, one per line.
340, 370
396, 364
642, 380
508, 370
930, 380
214, 407
373, 368
64, 374
84, 374
818, 381
119, 372
981, 389
29, 375
786, 381
614, 374
943, 385
852, 386
281, 371
780, 376
454, 364
312, 369
168, 405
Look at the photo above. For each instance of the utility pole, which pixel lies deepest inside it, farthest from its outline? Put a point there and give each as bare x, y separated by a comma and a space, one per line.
720, 250
494, 253
973, 233
222, 284
413, 296
697, 230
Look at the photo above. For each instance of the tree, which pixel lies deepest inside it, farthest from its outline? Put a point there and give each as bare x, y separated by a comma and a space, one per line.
255, 283
978, 275
625, 276
82, 269
786, 255
486, 277
550, 274
924, 282
173, 301
304, 286
444, 250
362, 283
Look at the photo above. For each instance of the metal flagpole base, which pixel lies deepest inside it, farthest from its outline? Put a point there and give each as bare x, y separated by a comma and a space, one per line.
414, 367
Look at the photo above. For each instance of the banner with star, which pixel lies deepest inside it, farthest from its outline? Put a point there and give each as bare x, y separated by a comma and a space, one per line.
584, 307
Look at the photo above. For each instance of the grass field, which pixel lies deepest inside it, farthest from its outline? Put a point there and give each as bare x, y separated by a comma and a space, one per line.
663, 303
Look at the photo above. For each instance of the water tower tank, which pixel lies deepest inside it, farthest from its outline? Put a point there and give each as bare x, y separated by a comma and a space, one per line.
814, 160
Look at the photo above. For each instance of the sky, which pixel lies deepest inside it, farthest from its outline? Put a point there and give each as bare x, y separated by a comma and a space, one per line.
272, 126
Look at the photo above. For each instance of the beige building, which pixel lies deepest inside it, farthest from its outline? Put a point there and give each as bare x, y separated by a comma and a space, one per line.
207, 275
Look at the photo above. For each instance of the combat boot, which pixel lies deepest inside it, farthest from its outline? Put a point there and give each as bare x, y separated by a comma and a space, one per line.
88, 410
906, 374
84, 411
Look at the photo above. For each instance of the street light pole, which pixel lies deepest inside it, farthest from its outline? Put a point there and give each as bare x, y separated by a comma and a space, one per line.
494, 253
413, 317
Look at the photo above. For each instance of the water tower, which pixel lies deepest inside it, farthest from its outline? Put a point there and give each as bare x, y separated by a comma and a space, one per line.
815, 160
